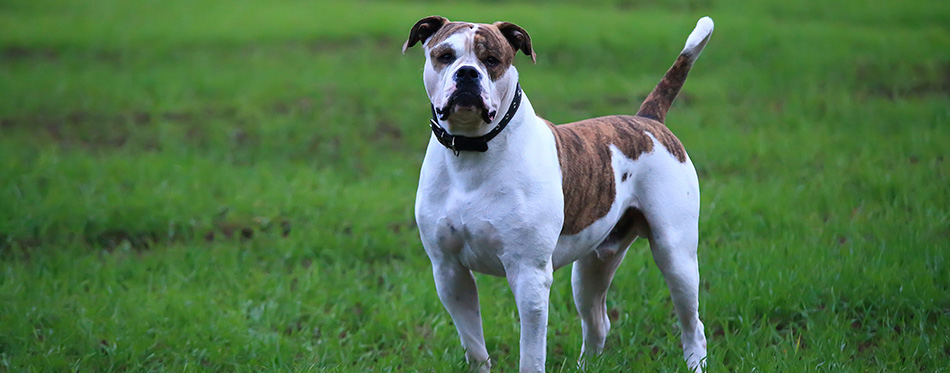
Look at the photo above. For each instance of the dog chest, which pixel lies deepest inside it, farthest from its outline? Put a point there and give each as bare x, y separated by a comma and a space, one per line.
485, 227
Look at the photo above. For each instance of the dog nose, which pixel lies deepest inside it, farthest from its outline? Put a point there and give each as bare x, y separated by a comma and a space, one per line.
466, 74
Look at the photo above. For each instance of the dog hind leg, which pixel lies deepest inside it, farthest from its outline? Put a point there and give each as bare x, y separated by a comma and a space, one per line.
590, 279
674, 251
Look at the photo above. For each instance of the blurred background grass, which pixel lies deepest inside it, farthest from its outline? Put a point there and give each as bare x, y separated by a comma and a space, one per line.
228, 185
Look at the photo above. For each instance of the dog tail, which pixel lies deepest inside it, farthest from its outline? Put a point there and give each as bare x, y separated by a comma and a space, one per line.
658, 102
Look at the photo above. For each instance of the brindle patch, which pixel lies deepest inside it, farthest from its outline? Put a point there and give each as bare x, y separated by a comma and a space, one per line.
584, 153
438, 51
499, 41
489, 42
661, 98
440, 36
446, 31
423, 29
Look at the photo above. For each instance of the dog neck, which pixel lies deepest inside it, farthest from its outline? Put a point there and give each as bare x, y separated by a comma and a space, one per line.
459, 142
507, 145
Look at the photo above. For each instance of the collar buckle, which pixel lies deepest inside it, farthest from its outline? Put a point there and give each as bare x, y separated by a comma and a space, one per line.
453, 148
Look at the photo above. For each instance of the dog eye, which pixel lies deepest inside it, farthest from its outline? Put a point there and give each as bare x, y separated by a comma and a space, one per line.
446, 57
491, 61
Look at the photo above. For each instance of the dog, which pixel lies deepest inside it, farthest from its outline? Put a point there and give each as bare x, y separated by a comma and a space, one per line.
505, 192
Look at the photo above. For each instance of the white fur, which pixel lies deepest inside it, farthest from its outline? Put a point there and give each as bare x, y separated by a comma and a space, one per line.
694, 43
440, 86
501, 212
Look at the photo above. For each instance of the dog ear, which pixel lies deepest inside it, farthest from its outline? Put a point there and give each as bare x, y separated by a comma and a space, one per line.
424, 29
518, 38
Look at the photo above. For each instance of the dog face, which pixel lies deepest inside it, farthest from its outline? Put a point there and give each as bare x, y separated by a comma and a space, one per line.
469, 67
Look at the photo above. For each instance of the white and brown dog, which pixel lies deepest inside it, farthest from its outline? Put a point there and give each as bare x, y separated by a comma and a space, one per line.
504, 192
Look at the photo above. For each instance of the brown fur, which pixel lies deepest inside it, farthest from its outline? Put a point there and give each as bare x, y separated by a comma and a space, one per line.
501, 40
584, 153
434, 56
447, 30
583, 147
661, 98
423, 29
518, 38
489, 42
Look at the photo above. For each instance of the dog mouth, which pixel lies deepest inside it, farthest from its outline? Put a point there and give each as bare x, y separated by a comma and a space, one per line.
466, 101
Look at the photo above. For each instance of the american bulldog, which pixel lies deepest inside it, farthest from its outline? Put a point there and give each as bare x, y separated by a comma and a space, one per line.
503, 191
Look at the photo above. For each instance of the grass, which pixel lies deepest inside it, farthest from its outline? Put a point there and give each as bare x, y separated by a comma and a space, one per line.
210, 185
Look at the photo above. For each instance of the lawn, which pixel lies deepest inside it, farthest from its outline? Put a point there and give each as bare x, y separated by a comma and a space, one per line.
229, 185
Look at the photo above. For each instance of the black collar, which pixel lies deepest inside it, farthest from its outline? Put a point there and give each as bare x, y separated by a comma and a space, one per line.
480, 143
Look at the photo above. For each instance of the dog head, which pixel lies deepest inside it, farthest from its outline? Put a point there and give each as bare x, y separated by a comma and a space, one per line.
469, 67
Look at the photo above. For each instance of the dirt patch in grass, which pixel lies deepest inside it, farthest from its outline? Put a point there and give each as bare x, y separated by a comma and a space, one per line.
925, 79
20, 53
103, 131
139, 241
90, 130
142, 130
17, 53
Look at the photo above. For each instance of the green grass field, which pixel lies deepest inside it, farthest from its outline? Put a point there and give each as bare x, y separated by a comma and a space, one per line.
228, 185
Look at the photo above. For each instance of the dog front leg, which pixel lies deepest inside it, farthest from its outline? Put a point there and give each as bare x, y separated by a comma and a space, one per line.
459, 295
532, 288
